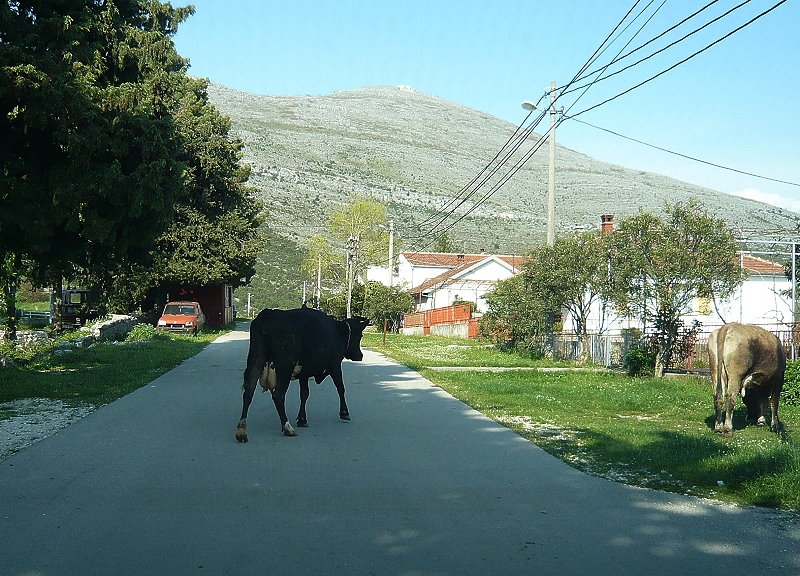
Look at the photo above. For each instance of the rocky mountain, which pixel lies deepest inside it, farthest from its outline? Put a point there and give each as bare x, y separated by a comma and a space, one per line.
416, 152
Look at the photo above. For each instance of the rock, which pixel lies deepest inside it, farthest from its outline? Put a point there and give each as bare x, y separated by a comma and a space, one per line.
32, 338
117, 328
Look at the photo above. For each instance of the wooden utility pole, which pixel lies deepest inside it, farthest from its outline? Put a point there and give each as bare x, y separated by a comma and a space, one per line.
319, 281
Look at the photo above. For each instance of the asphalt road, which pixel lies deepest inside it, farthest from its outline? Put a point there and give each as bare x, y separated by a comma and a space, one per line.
417, 484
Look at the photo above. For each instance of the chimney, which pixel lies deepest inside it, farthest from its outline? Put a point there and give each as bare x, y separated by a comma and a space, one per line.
606, 223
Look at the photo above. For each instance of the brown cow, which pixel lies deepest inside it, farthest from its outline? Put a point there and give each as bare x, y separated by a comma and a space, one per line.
747, 360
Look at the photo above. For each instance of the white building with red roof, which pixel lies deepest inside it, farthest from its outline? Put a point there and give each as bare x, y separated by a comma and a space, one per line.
765, 298
438, 279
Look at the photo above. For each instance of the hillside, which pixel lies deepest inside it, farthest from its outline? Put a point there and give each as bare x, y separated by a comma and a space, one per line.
415, 151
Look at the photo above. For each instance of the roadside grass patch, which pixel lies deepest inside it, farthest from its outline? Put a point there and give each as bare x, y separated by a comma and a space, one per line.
654, 433
101, 373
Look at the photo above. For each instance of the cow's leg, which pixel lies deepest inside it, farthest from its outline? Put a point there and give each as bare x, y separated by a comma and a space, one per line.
336, 375
279, 398
720, 396
775, 424
302, 421
730, 404
255, 366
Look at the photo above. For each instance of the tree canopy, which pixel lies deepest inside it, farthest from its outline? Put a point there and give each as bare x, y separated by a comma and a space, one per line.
113, 164
571, 275
660, 265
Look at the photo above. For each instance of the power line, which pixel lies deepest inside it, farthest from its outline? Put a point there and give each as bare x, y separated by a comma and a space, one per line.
693, 55
512, 146
463, 196
619, 58
686, 155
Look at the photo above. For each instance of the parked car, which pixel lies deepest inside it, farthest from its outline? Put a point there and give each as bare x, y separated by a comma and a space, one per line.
184, 317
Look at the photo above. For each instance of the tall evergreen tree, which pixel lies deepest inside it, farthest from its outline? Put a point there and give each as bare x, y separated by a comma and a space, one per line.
112, 161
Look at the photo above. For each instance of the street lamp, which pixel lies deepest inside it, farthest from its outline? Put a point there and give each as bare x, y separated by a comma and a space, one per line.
551, 173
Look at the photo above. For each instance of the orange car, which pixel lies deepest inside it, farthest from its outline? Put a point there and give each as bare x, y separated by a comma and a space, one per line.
182, 317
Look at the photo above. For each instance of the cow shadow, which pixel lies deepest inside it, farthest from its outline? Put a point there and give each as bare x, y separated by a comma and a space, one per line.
740, 420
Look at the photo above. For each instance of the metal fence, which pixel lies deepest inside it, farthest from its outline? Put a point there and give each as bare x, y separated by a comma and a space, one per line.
610, 349
604, 349
33, 317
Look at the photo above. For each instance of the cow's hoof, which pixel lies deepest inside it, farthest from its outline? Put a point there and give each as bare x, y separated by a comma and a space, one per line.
344, 415
302, 423
241, 431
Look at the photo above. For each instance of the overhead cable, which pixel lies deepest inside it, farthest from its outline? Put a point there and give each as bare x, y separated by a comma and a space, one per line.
668, 151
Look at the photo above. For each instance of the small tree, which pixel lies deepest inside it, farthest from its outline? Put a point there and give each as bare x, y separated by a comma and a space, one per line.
357, 225
387, 305
444, 244
515, 316
571, 275
660, 265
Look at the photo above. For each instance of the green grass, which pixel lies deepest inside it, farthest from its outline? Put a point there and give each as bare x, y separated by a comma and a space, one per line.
101, 373
641, 431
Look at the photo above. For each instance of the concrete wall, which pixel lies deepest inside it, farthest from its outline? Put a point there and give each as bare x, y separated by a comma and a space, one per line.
460, 330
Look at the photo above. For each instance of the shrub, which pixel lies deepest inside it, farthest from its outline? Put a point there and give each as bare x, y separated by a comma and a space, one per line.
142, 332
640, 362
791, 384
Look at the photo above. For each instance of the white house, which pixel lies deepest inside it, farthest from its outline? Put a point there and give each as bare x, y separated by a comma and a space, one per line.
763, 299
437, 279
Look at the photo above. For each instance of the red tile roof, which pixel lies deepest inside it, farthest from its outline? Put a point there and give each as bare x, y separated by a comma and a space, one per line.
452, 260
459, 262
456, 262
756, 265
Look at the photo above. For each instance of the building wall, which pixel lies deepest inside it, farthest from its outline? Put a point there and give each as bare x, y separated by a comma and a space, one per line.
760, 300
472, 286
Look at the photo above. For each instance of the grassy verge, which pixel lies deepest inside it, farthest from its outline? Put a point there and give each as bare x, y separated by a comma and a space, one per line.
641, 431
101, 373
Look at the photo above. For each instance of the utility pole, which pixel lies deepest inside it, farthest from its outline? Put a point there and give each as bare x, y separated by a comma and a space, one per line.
319, 281
352, 250
391, 252
551, 172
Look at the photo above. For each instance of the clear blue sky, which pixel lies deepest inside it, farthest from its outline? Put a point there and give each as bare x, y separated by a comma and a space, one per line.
735, 105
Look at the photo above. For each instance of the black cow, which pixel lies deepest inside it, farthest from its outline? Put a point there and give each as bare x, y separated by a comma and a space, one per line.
298, 344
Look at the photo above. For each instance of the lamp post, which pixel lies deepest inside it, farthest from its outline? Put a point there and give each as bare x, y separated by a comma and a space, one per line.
551, 173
